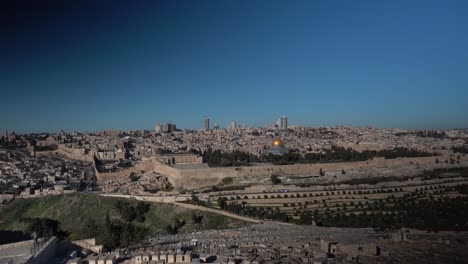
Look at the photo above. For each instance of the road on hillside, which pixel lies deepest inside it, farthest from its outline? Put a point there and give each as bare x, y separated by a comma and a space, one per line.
189, 206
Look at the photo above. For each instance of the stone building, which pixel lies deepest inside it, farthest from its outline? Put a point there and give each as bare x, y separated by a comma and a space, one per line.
183, 158
277, 147
350, 246
178, 257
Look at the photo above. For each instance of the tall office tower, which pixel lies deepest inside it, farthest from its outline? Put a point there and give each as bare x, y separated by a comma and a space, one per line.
172, 127
283, 123
206, 124
168, 127
216, 126
158, 128
233, 125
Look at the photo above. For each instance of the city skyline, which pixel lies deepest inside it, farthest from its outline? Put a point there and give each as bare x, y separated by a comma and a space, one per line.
91, 66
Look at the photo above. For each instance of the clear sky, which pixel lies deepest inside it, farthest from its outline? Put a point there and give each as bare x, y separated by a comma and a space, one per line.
92, 65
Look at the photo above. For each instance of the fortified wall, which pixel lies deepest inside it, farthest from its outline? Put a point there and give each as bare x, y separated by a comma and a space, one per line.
202, 177
192, 178
70, 153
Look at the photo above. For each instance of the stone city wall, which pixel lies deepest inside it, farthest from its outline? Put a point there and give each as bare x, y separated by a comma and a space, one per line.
201, 177
191, 178
43, 153
75, 154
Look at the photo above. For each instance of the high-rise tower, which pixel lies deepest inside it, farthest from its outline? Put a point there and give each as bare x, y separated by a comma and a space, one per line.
206, 124
283, 123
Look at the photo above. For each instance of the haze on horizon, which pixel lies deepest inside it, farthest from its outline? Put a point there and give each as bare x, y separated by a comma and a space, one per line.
90, 65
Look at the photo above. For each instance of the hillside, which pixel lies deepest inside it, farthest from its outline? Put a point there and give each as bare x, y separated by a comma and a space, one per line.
72, 211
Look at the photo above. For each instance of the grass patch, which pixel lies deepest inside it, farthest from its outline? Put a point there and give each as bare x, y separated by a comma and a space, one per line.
73, 210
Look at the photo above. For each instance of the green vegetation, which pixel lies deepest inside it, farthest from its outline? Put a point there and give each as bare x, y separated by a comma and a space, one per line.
116, 233
373, 180
124, 164
45, 148
339, 154
321, 172
134, 177
427, 214
224, 185
85, 216
463, 188
432, 134
43, 227
257, 212
227, 181
218, 158
174, 229
285, 159
221, 188
129, 212
275, 179
197, 219
434, 207
462, 150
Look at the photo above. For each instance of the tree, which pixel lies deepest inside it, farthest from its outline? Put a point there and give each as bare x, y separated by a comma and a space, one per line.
129, 212
227, 181
90, 228
197, 219
174, 229
275, 179
134, 177
44, 227
141, 209
117, 233
321, 172
222, 202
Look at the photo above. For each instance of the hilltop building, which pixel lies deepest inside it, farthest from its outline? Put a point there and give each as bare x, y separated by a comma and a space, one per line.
283, 123
180, 158
9, 136
168, 127
277, 147
158, 128
233, 125
206, 124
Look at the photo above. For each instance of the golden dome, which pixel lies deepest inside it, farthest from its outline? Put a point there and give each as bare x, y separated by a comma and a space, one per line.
277, 142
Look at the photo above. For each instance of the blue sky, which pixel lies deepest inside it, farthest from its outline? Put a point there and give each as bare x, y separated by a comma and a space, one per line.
92, 65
